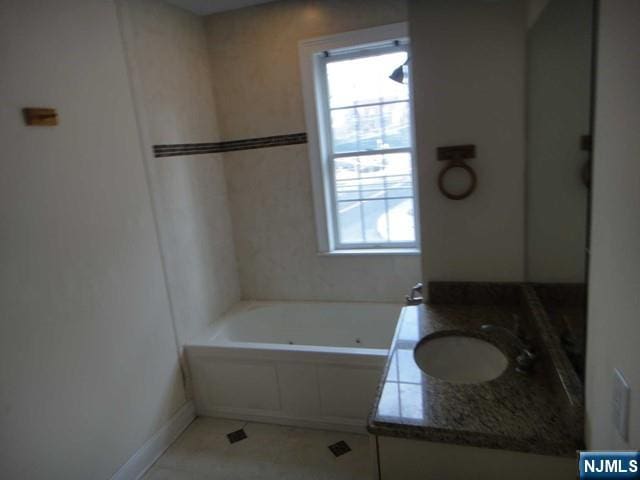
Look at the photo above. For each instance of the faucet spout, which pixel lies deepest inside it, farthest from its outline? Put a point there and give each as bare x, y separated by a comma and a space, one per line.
526, 357
497, 328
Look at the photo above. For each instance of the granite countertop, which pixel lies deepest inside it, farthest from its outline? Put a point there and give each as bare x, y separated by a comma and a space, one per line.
513, 412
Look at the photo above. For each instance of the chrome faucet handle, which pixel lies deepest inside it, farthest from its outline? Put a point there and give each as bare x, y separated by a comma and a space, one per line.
529, 353
525, 361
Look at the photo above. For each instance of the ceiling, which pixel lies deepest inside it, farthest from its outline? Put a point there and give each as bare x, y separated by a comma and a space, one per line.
205, 7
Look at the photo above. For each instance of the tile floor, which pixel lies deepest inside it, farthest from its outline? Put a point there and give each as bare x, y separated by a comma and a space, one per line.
269, 452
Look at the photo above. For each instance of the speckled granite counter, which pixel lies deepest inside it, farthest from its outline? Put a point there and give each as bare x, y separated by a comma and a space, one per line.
512, 412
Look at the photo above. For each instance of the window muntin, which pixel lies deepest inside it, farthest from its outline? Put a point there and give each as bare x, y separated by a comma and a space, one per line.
368, 145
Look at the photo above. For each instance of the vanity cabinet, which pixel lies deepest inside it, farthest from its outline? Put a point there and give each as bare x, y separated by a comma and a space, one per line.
405, 459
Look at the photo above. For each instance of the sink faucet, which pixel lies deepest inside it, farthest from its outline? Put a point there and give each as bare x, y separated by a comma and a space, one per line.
526, 357
412, 298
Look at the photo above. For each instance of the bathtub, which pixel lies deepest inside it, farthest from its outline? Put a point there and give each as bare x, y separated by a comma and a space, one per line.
293, 363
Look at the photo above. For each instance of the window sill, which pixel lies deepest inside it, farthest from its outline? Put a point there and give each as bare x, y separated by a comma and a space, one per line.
370, 251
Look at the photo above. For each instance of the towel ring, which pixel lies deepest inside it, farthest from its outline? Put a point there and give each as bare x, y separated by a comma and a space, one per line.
472, 185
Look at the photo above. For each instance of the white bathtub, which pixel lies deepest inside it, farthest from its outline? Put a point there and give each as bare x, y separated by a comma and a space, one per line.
294, 363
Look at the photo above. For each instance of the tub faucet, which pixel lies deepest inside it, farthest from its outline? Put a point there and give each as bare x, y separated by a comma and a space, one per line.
526, 358
413, 298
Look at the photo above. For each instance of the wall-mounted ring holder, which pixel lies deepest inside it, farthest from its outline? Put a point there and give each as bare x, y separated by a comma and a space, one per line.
456, 156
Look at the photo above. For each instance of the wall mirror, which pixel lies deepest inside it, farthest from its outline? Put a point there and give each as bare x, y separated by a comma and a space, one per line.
558, 100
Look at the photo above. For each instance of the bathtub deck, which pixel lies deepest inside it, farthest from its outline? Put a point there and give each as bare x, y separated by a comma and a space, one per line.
269, 452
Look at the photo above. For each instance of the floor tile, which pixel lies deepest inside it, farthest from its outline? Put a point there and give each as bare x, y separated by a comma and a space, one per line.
159, 473
269, 452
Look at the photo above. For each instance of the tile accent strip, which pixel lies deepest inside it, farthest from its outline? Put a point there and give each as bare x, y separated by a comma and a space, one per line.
229, 146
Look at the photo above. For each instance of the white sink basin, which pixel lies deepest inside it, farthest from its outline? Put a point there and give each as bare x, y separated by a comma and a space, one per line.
460, 359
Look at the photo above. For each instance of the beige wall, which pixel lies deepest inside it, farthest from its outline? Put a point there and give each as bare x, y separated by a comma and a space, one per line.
254, 53
468, 60
614, 272
558, 114
89, 367
172, 77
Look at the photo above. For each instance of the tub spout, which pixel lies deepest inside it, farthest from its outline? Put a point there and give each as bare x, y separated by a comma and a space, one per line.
415, 296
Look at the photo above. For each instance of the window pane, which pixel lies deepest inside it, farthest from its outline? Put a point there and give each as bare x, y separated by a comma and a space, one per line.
401, 221
374, 216
356, 129
373, 187
374, 195
373, 176
350, 222
365, 80
396, 126
371, 128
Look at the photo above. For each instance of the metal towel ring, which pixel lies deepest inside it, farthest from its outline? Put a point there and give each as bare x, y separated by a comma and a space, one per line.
470, 188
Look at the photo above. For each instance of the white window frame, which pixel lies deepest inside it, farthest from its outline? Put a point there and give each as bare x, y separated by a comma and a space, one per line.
314, 87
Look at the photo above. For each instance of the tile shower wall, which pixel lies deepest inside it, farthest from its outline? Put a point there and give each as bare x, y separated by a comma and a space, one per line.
172, 82
254, 54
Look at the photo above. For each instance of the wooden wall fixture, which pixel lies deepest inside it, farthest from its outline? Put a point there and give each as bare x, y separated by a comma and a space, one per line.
43, 117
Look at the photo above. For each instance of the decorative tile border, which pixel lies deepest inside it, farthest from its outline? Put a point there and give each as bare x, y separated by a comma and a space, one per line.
229, 146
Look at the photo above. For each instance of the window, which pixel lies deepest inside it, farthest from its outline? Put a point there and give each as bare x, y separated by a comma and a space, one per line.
360, 132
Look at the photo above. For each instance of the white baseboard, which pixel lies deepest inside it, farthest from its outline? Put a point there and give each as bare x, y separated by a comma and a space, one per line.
142, 460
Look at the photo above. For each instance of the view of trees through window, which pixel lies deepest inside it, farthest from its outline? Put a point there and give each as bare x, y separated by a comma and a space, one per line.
370, 123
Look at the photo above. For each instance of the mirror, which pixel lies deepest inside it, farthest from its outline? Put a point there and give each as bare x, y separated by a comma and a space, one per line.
559, 85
